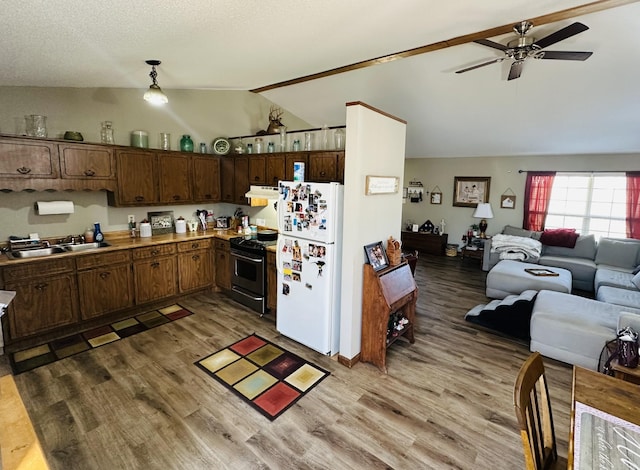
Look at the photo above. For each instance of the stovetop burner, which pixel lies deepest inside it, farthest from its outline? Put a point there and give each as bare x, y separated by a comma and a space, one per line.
250, 244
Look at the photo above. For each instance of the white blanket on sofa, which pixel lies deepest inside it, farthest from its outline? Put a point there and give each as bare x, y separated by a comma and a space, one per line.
518, 248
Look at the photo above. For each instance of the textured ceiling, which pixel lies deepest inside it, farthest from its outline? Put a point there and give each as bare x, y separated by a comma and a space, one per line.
557, 107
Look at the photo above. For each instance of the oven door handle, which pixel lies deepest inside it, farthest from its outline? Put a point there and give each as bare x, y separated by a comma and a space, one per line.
235, 289
246, 258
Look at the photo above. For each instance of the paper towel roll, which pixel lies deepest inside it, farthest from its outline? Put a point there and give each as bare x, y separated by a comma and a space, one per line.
54, 207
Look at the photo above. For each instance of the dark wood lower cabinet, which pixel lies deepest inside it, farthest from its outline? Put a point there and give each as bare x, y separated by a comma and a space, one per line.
424, 242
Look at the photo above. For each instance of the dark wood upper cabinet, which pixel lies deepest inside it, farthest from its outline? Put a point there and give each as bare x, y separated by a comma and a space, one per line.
174, 178
206, 179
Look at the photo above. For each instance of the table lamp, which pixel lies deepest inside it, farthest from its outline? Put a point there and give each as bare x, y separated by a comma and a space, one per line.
483, 211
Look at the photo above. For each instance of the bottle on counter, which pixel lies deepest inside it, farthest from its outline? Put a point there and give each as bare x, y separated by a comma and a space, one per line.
88, 235
106, 134
97, 233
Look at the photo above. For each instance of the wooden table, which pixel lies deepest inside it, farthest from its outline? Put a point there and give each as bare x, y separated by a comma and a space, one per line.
625, 373
609, 395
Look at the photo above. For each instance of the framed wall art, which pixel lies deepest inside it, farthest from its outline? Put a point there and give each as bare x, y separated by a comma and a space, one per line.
436, 196
468, 191
376, 256
507, 201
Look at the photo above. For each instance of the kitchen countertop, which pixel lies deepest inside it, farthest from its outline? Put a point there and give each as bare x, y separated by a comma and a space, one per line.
122, 241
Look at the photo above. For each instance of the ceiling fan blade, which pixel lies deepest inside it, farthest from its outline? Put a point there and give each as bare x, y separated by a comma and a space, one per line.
473, 67
564, 55
489, 43
560, 35
515, 70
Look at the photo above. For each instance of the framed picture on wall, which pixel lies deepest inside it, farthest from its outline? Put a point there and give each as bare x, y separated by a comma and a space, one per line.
468, 191
436, 198
507, 201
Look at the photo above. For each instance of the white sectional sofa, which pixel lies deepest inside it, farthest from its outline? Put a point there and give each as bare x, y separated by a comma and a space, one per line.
610, 262
574, 329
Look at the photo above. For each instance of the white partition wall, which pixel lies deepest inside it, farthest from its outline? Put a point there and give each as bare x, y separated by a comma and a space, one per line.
375, 146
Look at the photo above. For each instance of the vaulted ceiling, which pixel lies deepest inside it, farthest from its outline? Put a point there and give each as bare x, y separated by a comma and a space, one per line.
556, 107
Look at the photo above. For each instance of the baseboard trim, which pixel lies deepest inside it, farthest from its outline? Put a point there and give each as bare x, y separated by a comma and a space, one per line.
349, 362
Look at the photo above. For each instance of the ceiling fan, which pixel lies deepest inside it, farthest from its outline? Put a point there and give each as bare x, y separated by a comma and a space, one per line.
524, 46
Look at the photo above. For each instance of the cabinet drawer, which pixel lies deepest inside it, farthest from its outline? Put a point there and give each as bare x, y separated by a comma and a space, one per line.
37, 269
157, 250
194, 245
93, 260
222, 245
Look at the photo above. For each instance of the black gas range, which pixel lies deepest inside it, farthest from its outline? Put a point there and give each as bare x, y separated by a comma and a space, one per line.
251, 245
249, 272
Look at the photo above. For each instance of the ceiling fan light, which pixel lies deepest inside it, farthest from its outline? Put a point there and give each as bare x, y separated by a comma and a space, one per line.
155, 95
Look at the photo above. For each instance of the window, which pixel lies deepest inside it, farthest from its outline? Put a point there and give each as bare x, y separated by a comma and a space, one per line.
592, 203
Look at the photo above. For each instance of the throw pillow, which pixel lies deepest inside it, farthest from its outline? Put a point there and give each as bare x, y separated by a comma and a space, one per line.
637, 270
565, 237
636, 280
618, 252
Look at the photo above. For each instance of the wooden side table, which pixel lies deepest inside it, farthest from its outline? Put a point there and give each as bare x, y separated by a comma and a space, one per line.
469, 252
625, 373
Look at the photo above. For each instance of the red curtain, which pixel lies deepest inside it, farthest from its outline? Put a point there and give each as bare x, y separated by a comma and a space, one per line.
537, 192
633, 204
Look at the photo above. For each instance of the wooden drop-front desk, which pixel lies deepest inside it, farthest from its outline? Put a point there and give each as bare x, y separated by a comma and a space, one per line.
387, 292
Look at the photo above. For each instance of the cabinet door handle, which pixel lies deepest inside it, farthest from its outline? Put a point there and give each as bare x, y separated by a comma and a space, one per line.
208, 196
195, 245
323, 173
23, 170
41, 287
155, 264
139, 198
155, 252
195, 257
256, 178
176, 197
105, 274
89, 173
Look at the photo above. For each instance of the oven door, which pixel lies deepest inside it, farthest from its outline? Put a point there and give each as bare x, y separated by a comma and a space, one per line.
248, 280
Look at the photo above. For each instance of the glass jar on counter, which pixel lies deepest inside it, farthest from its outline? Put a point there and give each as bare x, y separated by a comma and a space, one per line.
249, 148
258, 144
271, 147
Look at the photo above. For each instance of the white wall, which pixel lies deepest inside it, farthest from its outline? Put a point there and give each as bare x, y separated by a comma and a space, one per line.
375, 146
504, 175
204, 115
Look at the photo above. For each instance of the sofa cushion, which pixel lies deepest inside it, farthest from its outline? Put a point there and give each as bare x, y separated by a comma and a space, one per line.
585, 247
635, 280
560, 237
616, 296
623, 253
581, 268
520, 232
613, 278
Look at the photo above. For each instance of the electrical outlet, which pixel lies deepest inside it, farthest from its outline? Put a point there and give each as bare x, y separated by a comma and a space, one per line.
260, 222
131, 218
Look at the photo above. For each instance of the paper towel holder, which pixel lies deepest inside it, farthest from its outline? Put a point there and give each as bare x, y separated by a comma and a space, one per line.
53, 207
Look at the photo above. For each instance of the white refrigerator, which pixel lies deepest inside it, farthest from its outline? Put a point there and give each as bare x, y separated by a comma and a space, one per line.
309, 254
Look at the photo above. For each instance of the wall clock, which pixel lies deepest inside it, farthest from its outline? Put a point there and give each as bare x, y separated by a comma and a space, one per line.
221, 146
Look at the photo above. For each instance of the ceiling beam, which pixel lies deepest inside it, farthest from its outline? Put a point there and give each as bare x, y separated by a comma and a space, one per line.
581, 10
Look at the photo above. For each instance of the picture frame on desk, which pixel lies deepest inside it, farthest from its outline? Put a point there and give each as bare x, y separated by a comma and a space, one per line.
376, 256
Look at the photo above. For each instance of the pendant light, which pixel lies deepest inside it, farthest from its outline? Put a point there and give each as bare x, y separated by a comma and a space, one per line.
154, 94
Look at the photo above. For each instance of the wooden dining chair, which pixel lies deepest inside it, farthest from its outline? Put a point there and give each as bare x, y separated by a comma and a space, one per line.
533, 409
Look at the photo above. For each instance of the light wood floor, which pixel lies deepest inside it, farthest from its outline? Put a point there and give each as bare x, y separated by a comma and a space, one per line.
140, 403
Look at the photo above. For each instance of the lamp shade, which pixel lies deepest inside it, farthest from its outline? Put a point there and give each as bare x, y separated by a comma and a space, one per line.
155, 95
483, 211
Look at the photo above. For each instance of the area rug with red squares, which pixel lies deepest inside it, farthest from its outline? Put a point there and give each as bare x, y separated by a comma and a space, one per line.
52, 351
265, 375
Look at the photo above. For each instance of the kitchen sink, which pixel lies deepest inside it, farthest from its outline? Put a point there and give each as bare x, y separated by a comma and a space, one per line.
84, 246
54, 249
35, 252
